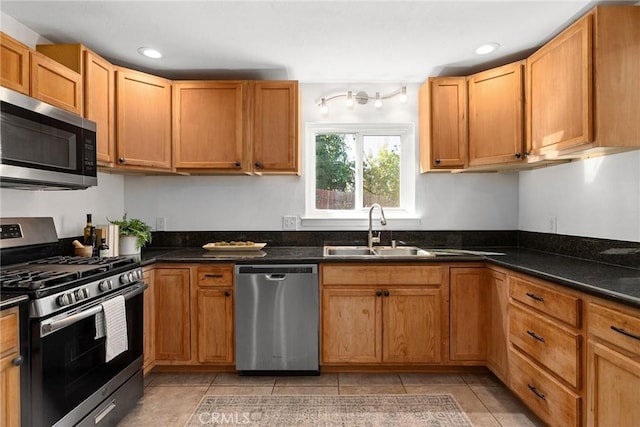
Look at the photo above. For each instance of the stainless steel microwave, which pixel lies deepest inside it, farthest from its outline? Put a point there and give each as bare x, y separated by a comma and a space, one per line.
44, 147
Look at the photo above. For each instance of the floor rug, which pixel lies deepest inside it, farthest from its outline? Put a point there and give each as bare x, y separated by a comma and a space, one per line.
344, 410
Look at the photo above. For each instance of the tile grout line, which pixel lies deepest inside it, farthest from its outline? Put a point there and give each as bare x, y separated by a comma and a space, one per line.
483, 404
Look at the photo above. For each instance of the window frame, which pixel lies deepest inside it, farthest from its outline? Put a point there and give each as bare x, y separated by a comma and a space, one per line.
328, 217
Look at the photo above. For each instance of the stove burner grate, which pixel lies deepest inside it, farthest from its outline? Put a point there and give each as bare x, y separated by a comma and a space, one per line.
24, 279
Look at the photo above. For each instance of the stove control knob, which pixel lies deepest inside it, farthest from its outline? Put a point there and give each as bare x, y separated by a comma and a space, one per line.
124, 279
65, 299
82, 293
105, 285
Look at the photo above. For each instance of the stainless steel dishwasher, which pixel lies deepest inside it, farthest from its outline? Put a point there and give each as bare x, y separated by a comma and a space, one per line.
276, 319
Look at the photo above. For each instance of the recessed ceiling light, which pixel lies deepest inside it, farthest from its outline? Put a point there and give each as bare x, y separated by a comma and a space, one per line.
487, 48
149, 52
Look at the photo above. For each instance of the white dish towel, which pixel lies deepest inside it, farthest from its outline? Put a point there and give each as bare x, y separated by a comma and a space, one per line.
112, 323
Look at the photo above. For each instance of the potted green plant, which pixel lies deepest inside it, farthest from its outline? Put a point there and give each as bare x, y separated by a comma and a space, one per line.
134, 234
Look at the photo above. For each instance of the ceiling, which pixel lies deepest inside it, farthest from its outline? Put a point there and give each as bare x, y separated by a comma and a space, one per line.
310, 41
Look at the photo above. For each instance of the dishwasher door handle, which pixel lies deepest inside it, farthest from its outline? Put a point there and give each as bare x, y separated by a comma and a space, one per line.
275, 277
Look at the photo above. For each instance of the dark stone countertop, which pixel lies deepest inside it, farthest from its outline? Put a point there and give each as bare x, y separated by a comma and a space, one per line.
616, 283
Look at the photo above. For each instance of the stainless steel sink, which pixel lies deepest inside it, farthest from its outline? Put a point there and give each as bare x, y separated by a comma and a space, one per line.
376, 251
348, 251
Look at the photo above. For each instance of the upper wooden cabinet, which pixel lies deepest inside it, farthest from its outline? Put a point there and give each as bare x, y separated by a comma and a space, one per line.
34, 74
143, 127
236, 127
14, 64
275, 122
496, 115
442, 119
99, 92
208, 125
582, 87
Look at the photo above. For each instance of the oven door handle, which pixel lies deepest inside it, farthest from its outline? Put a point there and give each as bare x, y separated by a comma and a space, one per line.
48, 327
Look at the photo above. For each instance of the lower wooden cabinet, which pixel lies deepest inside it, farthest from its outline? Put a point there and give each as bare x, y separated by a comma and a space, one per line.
213, 328
173, 312
378, 314
498, 331
613, 374
149, 327
468, 301
553, 402
9, 368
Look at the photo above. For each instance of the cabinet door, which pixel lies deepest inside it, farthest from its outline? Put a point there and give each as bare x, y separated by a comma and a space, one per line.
468, 299
498, 336
613, 387
172, 314
9, 372
55, 84
496, 115
443, 120
275, 127
143, 109
215, 325
559, 87
99, 104
14, 64
352, 326
149, 328
412, 325
208, 125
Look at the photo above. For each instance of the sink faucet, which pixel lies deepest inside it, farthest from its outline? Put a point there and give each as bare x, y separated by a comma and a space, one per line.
371, 240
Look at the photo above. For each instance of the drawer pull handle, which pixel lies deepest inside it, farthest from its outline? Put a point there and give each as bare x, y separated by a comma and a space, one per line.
536, 336
536, 392
213, 276
535, 297
628, 334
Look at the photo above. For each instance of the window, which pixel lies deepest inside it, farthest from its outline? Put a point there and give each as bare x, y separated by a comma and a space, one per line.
350, 167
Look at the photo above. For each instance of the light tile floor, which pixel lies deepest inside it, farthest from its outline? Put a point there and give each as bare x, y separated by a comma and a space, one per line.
169, 399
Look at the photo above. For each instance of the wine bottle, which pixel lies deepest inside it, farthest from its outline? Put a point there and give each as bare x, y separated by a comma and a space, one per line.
87, 230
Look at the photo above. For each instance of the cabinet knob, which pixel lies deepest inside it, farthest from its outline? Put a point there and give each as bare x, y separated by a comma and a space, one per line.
227, 293
259, 165
386, 293
517, 155
437, 161
378, 293
18, 360
121, 160
526, 154
238, 164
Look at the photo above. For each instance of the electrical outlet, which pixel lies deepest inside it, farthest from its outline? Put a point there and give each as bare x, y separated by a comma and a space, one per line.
289, 222
552, 224
161, 223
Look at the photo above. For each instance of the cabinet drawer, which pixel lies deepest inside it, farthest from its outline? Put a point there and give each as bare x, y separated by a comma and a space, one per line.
553, 347
549, 399
562, 306
381, 275
9, 332
615, 327
215, 276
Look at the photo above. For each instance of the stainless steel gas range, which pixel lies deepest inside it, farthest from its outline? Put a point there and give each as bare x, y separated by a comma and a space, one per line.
71, 380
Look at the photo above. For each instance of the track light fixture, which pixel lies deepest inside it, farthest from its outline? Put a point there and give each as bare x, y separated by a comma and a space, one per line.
362, 98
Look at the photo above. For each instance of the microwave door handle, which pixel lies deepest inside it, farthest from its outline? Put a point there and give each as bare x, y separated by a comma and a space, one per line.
51, 326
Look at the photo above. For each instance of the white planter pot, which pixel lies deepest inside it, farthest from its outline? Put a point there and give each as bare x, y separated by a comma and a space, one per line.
129, 245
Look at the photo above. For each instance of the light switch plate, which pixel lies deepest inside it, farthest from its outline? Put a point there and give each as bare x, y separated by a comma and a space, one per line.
289, 222
161, 223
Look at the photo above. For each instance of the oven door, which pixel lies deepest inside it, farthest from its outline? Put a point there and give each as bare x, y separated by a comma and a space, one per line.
69, 374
